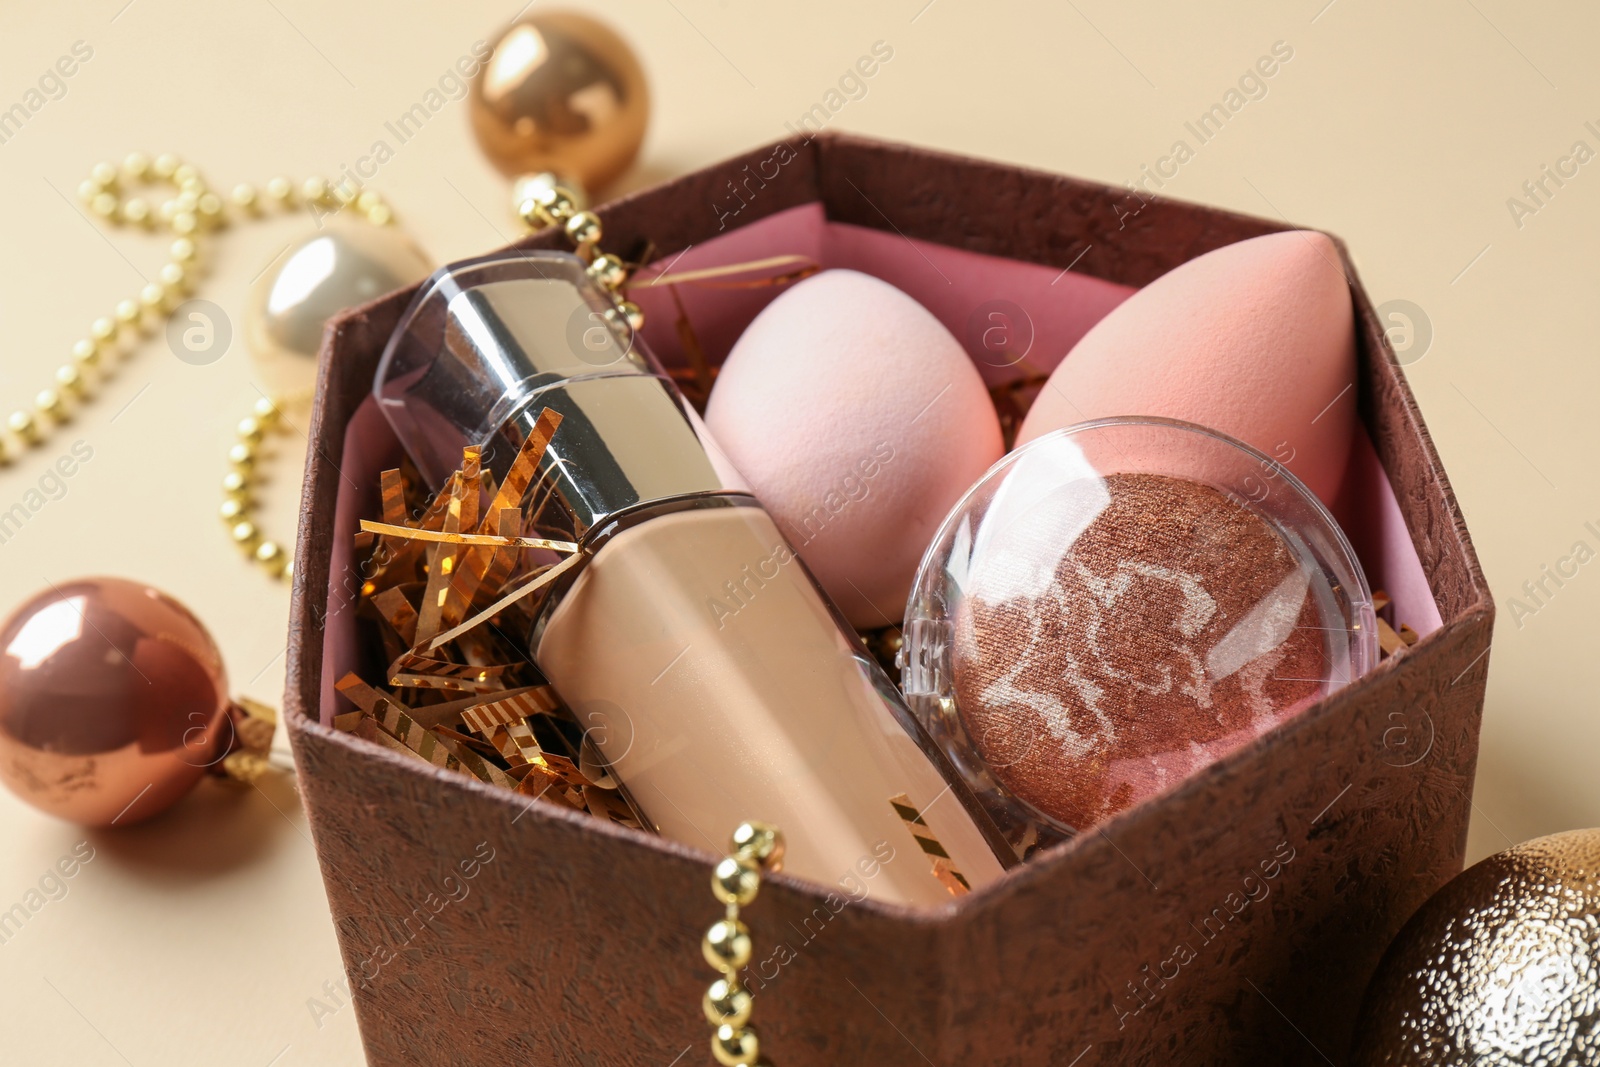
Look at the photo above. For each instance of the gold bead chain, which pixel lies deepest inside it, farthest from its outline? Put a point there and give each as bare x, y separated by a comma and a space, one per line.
238, 497
548, 203
727, 947
192, 214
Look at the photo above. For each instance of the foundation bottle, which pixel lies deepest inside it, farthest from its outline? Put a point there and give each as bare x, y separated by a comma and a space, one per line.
692, 645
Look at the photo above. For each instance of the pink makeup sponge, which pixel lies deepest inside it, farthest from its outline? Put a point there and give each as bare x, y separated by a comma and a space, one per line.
859, 421
1256, 339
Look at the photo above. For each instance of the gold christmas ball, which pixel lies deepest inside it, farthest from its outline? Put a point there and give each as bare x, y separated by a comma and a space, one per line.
1500, 967
561, 92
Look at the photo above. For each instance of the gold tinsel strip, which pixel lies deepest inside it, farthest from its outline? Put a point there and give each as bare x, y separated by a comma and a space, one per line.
533, 585
363, 695
398, 613
485, 717
453, 595
516, 744
425, 673
449, 712
441, 751
476, 765
1392, 640
393, 488
504, 723
944, 867
462, 520
469, 486
803, 267
523, 469
488, 540
502, 562
441, 561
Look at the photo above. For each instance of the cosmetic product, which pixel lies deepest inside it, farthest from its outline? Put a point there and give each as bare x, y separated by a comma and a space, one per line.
1255, 339
858, 420
708, 669
1118, 604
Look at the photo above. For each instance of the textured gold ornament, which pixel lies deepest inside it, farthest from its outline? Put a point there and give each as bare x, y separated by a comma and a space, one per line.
1500, 967
562, 92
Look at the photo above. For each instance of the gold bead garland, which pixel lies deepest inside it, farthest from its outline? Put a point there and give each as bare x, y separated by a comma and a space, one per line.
191, 215
727, 947
549, 203
238, 498
195, 212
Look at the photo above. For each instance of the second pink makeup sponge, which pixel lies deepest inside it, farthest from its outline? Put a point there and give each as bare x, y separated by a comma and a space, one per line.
1255, 339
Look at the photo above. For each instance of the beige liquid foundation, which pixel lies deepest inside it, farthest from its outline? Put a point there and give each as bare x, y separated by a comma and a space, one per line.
703, 660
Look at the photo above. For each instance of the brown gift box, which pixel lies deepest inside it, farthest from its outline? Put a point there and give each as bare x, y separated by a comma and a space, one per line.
1233, 919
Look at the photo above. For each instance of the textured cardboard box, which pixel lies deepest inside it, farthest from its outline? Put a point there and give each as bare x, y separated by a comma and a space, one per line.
1162, 937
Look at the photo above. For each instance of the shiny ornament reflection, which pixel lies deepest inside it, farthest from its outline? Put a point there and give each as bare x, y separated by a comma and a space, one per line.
561, 92
112, 701
340, 266
1501, 966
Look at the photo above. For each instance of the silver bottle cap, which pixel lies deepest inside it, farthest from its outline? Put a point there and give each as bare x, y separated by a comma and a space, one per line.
488, 344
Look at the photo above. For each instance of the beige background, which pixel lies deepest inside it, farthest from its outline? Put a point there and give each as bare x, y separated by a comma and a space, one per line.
1404, 128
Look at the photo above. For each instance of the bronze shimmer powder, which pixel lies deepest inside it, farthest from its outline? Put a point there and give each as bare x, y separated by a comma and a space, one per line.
1176, 626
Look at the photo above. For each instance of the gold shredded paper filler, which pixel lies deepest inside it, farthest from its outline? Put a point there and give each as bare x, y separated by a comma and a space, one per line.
453, 594
944, 868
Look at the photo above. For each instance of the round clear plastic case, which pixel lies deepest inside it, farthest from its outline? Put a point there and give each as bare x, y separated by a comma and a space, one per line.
1118, 604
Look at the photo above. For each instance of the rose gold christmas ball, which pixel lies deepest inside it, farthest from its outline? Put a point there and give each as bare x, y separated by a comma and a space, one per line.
561, 92
112, 701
